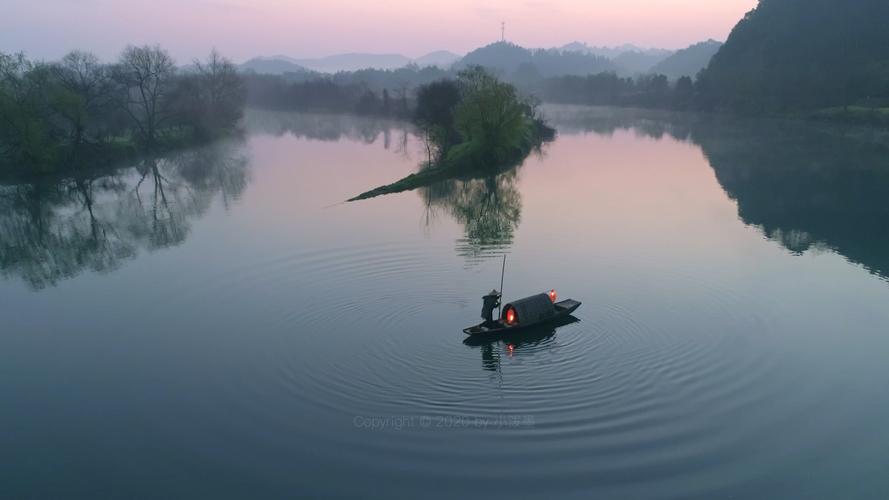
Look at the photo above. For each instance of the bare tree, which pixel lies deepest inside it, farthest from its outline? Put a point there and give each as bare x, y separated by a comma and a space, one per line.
83, 76
146, 73
222, 92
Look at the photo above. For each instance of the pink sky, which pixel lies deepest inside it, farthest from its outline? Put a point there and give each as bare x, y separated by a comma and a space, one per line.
300, 28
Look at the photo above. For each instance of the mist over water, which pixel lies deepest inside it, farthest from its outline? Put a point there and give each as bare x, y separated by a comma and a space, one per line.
220, 324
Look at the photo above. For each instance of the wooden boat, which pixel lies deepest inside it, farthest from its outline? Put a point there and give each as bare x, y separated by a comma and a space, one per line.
537, 310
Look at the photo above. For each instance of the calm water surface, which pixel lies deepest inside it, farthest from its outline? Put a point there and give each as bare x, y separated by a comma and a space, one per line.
218, 324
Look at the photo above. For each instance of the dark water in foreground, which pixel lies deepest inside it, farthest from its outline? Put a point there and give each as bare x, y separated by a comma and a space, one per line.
216, 325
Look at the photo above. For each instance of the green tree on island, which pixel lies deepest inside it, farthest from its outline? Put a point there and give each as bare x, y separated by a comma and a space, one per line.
474, 125
496, 126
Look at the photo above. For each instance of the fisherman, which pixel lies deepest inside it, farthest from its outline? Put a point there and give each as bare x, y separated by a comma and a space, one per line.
491, 302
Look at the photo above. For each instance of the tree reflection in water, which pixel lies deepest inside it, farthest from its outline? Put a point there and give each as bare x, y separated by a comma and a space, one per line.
807, 186
489, 208
488, 204
53, 230
331, 127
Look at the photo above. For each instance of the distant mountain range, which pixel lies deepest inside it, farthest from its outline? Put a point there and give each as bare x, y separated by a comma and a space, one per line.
281, 64
512, 61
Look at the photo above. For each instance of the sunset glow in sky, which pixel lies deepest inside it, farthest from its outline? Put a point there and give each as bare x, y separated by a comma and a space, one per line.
301, 28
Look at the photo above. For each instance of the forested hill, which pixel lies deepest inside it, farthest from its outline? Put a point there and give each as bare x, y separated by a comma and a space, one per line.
687, 62
803, 54
513, 61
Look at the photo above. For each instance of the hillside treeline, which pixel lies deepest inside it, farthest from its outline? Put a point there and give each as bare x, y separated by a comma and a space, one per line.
789, 55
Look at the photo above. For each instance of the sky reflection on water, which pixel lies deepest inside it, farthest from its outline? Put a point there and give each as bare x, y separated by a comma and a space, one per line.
220, 318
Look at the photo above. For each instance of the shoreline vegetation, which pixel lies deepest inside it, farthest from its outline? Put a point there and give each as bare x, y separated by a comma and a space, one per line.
394, 94
78, 114
786, 59
473, 125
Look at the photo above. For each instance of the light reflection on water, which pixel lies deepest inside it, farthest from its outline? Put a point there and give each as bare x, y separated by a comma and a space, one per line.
222, 313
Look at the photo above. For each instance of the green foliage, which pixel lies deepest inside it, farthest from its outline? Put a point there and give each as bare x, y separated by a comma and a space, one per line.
493, 122
497, 129
27, 93
78, 111
477, 121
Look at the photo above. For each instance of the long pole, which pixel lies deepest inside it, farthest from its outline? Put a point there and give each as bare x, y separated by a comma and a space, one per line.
502, 274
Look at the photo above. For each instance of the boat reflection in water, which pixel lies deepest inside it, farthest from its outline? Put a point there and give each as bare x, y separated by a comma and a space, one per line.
535, 338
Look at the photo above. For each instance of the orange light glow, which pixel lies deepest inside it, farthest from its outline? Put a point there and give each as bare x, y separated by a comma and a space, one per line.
510, 316
552, 296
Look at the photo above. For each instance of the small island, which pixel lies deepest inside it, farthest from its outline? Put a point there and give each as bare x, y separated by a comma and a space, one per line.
475, 124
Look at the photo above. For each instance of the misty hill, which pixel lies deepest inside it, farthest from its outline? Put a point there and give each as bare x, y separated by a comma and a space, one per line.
634, 63
277, 65
440, 58
613, 52
512, 60
628, 59
689, 61
353, 62
803, 54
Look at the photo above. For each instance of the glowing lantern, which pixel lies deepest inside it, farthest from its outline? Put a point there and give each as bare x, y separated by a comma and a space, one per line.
510, 316
552, 296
